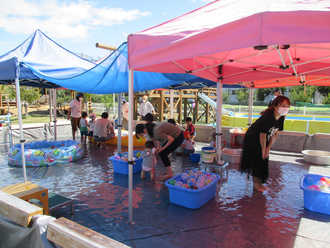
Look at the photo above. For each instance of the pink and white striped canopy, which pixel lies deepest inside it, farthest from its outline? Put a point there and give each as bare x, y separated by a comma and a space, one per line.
239, 41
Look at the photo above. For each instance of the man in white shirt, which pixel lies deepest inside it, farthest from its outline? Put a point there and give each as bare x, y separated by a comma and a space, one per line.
74, 113
103, 130
145, 108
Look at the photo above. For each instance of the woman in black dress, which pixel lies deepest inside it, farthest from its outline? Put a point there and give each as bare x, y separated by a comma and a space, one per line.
259, 139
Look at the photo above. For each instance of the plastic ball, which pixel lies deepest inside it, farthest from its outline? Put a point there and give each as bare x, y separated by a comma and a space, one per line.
185, 186
172, 182
321, 184
191, 184
207, 181
200, 185
193, 176
193, 187
190, 172
208, 174
323, 179
314, 187
138, 154
308, 181
327, 181
140, 140
214, 177
117, 157
192, 180
184, 177
179, 183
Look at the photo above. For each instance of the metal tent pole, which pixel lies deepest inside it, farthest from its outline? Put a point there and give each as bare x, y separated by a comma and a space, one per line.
50, 105
19, 108
219, 117
120, 95
250, 106
54, 113
113, 104
130, 146
171, 103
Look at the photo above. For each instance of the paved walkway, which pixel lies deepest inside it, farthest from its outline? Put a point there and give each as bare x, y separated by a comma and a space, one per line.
236, 217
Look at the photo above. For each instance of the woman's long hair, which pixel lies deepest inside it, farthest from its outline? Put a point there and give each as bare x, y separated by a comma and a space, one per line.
277, 101
140, 127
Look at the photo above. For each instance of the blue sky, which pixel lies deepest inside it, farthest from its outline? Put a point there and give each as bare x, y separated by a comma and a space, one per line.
78, 25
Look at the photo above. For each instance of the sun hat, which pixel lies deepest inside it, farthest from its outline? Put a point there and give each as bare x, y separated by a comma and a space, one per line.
80, 95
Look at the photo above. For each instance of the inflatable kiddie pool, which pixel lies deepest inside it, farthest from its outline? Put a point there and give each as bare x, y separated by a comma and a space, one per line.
124, 139
45, 153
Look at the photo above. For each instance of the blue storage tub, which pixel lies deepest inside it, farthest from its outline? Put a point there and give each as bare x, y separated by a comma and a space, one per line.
317, 201
121, 167
195, 157
192, 198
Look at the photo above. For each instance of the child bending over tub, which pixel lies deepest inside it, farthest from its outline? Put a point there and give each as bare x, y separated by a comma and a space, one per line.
149, 160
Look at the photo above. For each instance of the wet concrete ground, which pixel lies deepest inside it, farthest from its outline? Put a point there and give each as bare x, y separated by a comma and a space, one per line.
236, 217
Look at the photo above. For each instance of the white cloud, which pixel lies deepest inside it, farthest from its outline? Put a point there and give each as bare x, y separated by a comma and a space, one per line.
64, 20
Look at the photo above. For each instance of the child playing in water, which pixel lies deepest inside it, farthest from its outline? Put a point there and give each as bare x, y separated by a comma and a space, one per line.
188, 146
149, 160
190, 128
83, 126
92, 120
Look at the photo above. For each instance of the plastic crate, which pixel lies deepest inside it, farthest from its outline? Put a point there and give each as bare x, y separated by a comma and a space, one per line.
316, 201
121, 167
192, 198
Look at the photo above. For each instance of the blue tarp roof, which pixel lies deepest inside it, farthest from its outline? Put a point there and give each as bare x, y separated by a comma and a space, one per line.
44, 63
44, 55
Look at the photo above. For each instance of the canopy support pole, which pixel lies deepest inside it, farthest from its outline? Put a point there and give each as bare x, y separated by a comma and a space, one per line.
171, 103
50, 106
54, 113
250, 106
219, 118
19, 108
114, 107
130, 145
120, 95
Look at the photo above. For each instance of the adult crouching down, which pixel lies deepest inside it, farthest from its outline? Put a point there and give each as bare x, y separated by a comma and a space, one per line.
162, 131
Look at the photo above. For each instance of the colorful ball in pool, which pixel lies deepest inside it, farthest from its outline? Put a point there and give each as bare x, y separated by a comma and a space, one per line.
117, 157
192, 180
191, 184
198, 173
138, 154
314, 187
200, 185
184, 177
308, 181
321, 184
193, 176
179, 183
172, 182
185, 186
207, 181
190, 172
214, 176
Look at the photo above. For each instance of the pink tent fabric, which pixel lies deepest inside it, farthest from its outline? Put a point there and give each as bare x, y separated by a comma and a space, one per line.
220, 40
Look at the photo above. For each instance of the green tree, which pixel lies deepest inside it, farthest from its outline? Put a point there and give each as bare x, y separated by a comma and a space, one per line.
326, 99
242, 96
262, 94
28, 96
324, 90
107, 101
63, 95
297, 94
225, 96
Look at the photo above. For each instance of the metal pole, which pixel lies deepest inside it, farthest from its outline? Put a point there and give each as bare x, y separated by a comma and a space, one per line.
219, 117
54, 113
171, 103
50, 106
250, 106
19, 108
130, 145
114, 107
120, 95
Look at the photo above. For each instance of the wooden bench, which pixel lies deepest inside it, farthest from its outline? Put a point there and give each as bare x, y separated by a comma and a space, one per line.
69, 234
18, 210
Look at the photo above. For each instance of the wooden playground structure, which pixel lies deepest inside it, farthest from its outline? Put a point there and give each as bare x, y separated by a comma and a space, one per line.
183, 101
